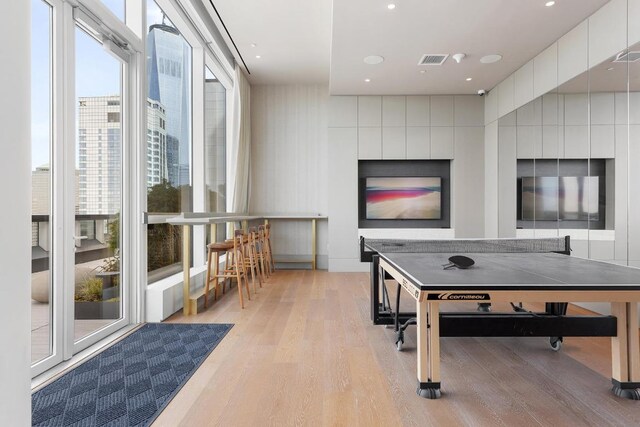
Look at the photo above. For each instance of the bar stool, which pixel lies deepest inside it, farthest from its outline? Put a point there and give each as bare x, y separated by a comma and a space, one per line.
213, 252
267, 236
251, 257
263, 251
234, 266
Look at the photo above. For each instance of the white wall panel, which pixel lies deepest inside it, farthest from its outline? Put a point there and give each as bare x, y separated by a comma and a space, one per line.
468, 182
15, 232
418, 143
507, 178
506, 100
602, 142
442, 111
545, 70
621, 108
468, 110
573, 52
550, 109
530, 114
607, 31
343, 200
552, 142
576, 109
576, 142
632, 20
491, 106
394, 143
442, 142
634, 193
418, 111
370, 143
343, 111
621, 191
529, 142
491, 180
289, 139
602, 108
523, 84
634, 106
369, 111
394, 111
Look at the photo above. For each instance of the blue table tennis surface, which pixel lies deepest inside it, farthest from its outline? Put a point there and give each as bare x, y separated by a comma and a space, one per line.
513, 271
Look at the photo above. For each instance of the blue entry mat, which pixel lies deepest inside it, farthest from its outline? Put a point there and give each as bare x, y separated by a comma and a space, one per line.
131, 382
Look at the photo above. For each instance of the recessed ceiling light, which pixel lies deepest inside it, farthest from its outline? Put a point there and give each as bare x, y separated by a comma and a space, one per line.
391, 6
258, 56
373, 59
422, 71
367, 80
253, 45
610, 69
550, 3
469, 79
490, 59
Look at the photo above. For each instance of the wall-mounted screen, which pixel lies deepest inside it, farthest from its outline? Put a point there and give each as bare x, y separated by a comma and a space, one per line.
403, 198
569, 198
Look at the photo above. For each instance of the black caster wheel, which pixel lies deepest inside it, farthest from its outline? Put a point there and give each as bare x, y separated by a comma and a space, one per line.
399, 340
429, 393
484, 307
556, 343
627, 393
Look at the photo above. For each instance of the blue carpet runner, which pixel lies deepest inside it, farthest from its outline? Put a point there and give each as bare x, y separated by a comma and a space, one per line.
131, 382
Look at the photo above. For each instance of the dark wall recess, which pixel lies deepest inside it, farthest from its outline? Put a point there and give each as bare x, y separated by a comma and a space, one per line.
564, 167
405, 168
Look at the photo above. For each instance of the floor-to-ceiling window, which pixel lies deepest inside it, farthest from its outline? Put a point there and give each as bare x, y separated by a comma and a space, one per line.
83, 83
86, 142
169, 163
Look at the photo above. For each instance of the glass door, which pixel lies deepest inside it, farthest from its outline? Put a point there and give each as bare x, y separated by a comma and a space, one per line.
99, 288
79, 287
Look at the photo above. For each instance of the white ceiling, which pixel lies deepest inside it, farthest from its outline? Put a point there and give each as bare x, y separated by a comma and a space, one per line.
305, 41
293, 38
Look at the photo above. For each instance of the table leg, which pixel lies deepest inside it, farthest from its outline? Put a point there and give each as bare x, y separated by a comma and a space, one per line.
428, 324
186, 267
625, 351
313, 244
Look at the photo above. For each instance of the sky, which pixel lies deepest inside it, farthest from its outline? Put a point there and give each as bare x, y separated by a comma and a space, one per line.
97, 73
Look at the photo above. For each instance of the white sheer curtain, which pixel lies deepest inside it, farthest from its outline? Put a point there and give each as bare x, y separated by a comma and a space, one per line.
241, 143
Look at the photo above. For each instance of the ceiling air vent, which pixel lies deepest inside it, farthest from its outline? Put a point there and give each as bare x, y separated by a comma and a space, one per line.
433, 59
628, 56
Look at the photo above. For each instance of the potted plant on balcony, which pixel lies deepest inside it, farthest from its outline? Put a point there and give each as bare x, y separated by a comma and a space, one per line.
94, 302
98, 296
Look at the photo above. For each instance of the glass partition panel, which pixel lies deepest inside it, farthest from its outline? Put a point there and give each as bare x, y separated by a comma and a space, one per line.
608, 153
633, 162
573, 165
507, 175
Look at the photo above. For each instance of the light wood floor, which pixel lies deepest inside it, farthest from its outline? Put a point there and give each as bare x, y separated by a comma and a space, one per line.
304, 352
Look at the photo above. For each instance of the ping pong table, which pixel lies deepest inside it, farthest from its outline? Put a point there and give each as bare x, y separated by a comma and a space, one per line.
505, 270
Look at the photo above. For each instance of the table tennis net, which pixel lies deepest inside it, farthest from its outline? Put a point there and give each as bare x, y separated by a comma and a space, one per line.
542, 245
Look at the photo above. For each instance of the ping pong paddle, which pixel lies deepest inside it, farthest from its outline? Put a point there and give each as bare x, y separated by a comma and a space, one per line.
459, 261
